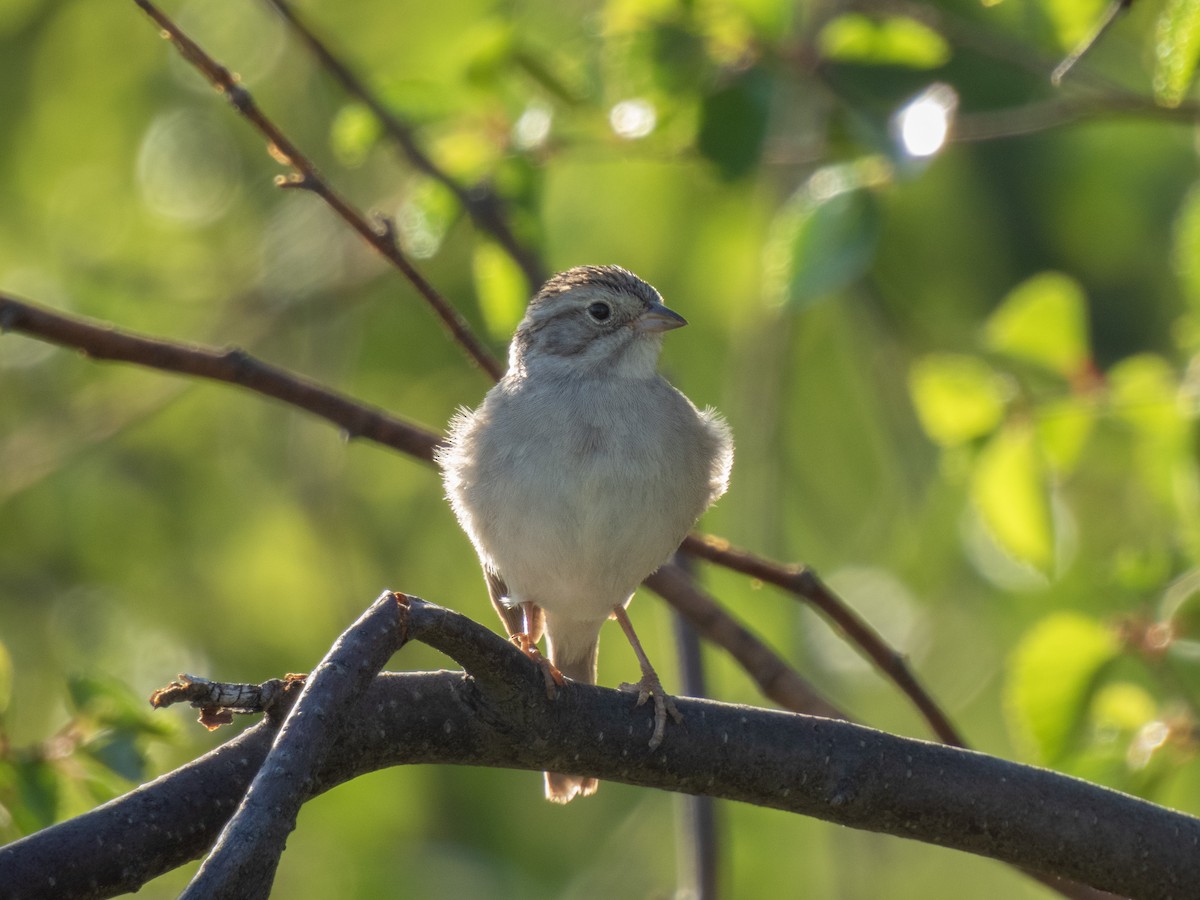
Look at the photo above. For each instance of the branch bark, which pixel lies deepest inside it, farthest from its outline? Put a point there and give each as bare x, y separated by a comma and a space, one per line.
498, 715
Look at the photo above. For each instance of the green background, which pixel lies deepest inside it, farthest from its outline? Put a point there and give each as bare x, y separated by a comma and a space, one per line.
993, 464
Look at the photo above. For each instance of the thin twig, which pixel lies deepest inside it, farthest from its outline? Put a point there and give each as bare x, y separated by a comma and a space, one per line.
233, 366
1107, 18
480, 202
380, 236
804, 583
774, 677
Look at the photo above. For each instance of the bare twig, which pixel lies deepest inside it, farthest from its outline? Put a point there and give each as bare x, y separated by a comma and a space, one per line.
1107, 18
774, 677
804, 583
306, 175
1047, 114
229, 365
480, 202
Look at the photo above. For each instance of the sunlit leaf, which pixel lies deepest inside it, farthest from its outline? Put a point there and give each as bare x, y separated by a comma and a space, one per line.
1177, 48
819, 242
733, 123
957, 397
1186, 250
1074, 20
1063, 429
353, 133
1122, 706
6, 680
111, 704
500, 287
894, 41
1009, 490
1043, 320
118, 751
1051, 676
424, 217
1144, 393
38, 794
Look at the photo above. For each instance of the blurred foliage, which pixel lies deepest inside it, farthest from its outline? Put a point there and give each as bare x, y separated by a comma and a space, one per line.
963, 377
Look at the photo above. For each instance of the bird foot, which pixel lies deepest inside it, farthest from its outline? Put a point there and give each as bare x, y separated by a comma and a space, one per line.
554, 678
664, 704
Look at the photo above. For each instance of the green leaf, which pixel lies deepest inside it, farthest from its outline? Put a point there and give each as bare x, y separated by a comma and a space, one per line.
1186, 249
1008, 487
1063, 430
1122, 707
110, 704
119, 752
1044, 321
958, 398
1177, 48
890, 41
38, 794
6, 680
1144, 393
500, 286
353, 133
1051, 676
1074, 20
424, 217
820, 241
733, 123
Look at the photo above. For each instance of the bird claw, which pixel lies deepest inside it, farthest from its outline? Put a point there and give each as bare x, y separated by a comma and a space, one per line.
664, 705
554, 678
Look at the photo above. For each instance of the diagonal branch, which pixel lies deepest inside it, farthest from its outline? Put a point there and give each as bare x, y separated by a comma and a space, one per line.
381, 237
498, 715
480, 202
804, 583
230, 365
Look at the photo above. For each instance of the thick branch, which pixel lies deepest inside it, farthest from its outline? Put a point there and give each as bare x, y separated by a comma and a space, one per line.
836, 771
243, 862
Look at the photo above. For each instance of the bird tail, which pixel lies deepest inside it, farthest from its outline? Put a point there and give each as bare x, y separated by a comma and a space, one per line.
565, 788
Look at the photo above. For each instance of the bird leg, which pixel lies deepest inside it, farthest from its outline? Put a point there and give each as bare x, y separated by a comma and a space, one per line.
527, 641
649, 686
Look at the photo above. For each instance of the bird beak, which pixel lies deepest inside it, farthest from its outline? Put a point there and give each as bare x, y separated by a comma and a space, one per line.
659, 318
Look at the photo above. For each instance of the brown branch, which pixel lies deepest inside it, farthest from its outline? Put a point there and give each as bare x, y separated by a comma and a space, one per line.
804, 583
499, 716
242, 864
229, 365
306, 175
774, 677
480, 202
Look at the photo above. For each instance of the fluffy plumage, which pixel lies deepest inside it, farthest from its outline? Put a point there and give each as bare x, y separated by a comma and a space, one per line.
583, 469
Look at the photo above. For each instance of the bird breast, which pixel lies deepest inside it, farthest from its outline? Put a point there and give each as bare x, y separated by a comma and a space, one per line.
576, 492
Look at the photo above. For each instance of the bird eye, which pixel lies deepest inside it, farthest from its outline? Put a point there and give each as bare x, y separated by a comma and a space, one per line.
599, 311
